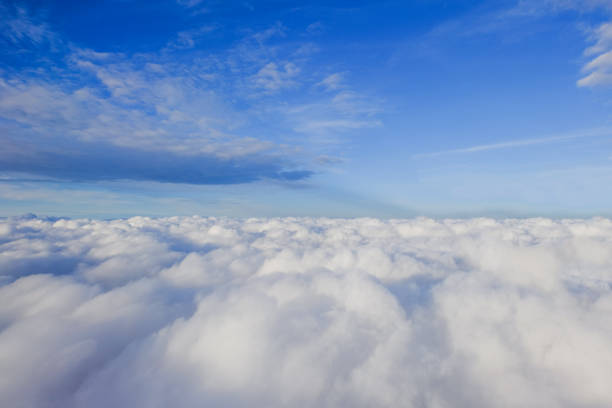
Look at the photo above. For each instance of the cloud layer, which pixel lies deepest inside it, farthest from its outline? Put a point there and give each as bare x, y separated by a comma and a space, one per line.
196, 311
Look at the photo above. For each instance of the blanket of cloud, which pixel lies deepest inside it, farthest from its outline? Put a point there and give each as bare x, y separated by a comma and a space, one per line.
305, 312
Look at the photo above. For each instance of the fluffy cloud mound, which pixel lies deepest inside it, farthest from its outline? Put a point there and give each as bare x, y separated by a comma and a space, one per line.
191, 312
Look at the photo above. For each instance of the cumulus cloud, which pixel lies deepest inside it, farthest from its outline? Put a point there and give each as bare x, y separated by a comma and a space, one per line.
190, 311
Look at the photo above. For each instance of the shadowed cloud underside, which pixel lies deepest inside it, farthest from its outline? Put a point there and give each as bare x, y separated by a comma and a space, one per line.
100, 162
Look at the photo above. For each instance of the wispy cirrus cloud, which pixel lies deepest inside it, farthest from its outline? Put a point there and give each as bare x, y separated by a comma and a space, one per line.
598, 70
538, 7
188, 38
598, 132
332, 82
175, 110
189, 3
22, 29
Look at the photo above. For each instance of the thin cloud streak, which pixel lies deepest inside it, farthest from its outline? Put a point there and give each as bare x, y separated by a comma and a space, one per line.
597, 132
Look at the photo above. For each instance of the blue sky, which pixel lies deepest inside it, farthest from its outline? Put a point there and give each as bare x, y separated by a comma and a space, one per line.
276, 108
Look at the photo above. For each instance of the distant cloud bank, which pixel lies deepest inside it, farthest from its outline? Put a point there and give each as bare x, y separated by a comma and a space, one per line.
305, 312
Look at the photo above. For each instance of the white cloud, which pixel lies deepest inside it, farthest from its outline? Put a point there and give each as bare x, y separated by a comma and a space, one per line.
188, 38
334, 114
190, 311
596, 72
602, 36
273, 78
157, 108
233, 106
599, 71
315, 126
189, 3
315, 28
332, 82
21, 28
538, 7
